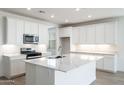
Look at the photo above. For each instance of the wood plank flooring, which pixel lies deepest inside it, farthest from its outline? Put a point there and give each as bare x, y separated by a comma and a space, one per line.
106, 78
103, 78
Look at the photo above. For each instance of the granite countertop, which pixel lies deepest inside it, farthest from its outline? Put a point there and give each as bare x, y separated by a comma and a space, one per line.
20, 56
96, 53
67, 63
15, 56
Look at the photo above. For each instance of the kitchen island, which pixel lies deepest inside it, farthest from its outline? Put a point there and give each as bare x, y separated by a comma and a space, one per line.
73, 69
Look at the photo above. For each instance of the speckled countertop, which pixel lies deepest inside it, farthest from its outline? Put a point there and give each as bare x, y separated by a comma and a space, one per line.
69, 62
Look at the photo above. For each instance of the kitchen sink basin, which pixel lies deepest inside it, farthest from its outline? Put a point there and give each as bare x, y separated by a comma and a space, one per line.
56, 57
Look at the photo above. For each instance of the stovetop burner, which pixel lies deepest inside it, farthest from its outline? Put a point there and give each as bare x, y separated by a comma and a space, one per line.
34, 55
30, 54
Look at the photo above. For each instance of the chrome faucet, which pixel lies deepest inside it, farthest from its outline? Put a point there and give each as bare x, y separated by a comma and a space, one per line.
60, 50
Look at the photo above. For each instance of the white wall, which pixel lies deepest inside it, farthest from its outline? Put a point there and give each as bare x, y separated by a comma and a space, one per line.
120, 44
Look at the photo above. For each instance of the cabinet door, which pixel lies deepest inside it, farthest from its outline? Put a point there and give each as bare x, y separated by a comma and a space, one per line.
75, 35
82, 35
22, 66
11, 31
17, 67
100, 64
34, 28
65, 32
61, 32
20, 31
43, 34
27, 27
110, 33
109, 63
100, 33
90, 34
14, 67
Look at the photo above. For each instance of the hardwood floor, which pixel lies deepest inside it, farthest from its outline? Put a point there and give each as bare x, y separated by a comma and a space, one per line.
103, 78
106, 78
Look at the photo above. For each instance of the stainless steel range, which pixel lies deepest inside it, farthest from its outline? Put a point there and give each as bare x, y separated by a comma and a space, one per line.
30, 54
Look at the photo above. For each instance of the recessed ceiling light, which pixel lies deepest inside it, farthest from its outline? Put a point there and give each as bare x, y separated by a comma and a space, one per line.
77, 9
89, 16
28, 8
66, 20
52, 16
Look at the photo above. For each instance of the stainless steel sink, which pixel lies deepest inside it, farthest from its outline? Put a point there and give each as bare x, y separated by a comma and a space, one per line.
56, 57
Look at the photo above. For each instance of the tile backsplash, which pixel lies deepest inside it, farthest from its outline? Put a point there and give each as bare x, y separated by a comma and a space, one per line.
10, 49
15, 49
101, 48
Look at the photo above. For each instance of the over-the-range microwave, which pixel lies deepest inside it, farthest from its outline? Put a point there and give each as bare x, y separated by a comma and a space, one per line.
30, 39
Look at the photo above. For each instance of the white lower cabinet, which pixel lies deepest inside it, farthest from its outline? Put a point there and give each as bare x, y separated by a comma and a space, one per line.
108, 63
13, 67
40, 75
100, 64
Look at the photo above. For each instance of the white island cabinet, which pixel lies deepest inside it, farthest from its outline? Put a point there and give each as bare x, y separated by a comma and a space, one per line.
74, 69
13, 65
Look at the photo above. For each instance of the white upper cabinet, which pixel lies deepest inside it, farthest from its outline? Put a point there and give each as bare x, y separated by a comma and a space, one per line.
10, 31
15, 28
90, 34
82, 35
14, 31
75, 35
20, 31
103, 33
65, 32
27, 29
31, 28
110, 32
43, 34
34, 28
100, 34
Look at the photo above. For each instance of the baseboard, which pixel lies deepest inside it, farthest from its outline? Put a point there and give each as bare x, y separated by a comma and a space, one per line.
13, 76
107, 71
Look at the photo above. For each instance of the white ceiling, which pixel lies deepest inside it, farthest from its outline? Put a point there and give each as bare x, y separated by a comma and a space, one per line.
61, 14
